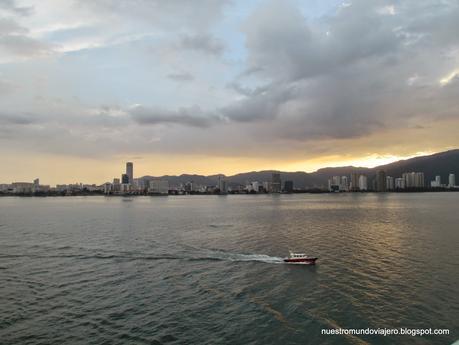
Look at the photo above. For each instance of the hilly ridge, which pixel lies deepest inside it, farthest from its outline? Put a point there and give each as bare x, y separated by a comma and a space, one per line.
442, 163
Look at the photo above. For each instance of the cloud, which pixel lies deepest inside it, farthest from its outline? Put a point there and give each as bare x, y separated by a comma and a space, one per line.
11, 6
192, 116
202, 43
181, 76
263, 81
17, 119
172, 15
343, 76
15, 42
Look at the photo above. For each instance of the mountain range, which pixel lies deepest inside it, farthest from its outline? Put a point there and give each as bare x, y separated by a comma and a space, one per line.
442, 163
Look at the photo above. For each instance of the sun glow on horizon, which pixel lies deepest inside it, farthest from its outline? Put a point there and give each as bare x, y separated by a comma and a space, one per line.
369, 161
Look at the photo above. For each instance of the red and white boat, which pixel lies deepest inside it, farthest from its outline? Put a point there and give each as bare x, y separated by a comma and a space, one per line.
300, 258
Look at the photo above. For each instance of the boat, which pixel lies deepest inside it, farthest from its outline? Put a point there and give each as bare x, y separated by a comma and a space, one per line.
300, 258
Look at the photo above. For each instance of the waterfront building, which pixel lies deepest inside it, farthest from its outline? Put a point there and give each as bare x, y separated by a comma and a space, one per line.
381, 181
116, 185
451, 181
390, 183
108, 188
266, 186
354, 187
363, 182
130, 172
399, 183
344, 186
125, 187
276, 183
222, 185
288, 186
436, 182
6, 188
22, 187
159, 187
414, 179
124, 179
334, 184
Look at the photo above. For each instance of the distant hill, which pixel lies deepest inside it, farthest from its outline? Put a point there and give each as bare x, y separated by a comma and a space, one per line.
442, 163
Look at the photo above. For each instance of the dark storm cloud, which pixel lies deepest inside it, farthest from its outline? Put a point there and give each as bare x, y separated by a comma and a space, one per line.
201, 42
192, 116
347, 75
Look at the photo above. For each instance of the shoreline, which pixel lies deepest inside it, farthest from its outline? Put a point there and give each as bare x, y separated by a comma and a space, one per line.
216, 194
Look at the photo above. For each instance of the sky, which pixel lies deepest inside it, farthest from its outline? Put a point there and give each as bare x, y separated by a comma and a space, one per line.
212, 86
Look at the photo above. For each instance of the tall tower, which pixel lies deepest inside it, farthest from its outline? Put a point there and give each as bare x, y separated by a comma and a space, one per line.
130, 171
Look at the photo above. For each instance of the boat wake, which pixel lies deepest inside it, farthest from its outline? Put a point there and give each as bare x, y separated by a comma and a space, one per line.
208, 256
234, 257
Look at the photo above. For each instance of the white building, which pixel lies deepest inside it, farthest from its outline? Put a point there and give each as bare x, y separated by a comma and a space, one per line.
363, 182
451, 181
400, 183
436, 182
414, 179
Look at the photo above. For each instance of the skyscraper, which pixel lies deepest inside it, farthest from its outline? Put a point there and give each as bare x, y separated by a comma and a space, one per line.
130, 172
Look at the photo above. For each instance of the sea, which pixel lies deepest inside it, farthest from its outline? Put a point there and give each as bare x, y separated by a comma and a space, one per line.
209, 269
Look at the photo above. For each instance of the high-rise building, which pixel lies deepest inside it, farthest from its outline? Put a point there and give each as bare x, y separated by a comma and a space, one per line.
451, 180
222, 185
130, 172
288, 186
399, 183
276, 183
390, 183
354, 182
334, 184
414, 179
363, 182
381, 181
158, 187
344, 183
124, 179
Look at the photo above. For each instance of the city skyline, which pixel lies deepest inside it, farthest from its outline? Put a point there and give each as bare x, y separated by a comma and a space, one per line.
223, 86
355, 179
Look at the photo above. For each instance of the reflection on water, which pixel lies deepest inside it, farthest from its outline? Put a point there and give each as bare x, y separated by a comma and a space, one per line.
209, 269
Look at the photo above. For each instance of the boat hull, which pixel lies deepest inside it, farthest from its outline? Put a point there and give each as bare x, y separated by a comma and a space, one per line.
301, 261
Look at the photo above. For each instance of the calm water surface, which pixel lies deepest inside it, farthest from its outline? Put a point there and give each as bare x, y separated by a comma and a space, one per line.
208, 269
